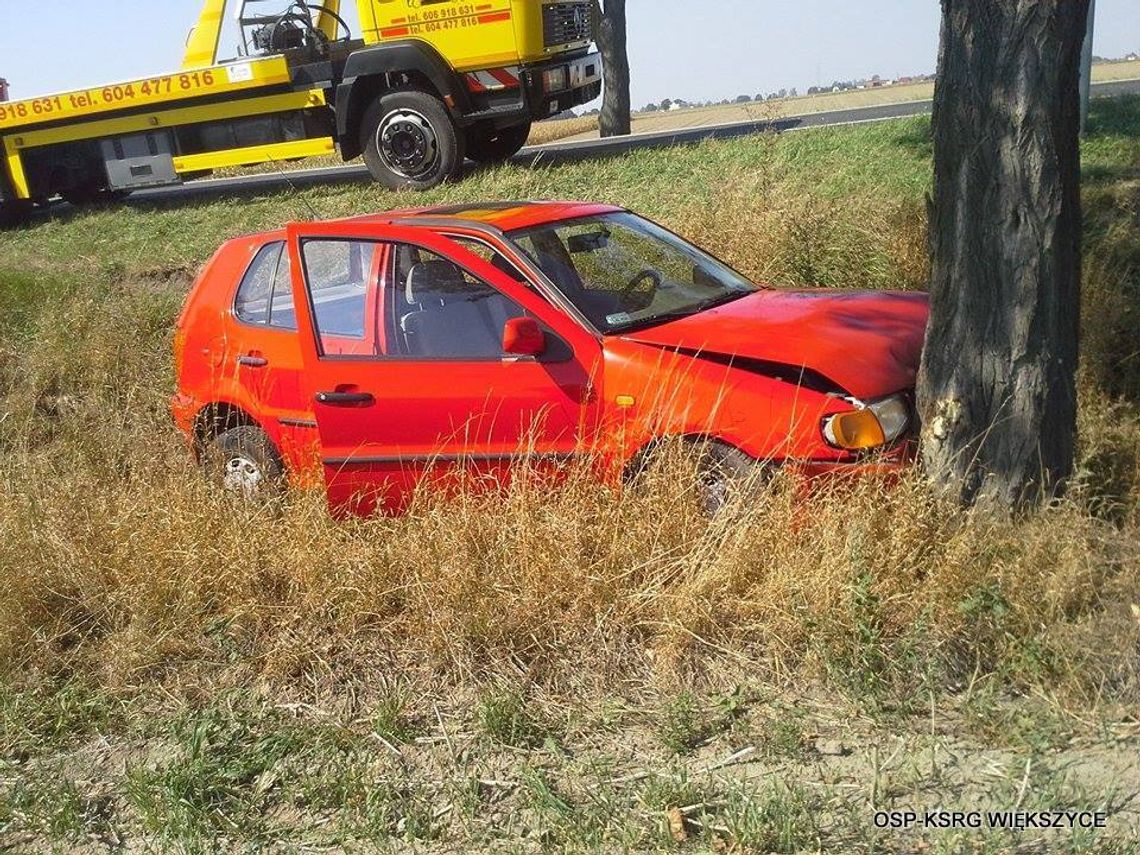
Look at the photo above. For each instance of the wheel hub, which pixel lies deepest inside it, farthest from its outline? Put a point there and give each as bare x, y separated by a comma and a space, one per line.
242, 476
407, 143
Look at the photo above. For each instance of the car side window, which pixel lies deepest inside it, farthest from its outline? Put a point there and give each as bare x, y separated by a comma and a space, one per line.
253, 296
492, 256
281, 312
265, 296
440, 311
338, 274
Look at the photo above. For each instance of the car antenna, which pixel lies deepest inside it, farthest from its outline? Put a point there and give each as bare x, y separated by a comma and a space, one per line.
296, 190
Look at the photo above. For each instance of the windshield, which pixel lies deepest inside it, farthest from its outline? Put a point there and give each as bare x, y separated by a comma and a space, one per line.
624, 272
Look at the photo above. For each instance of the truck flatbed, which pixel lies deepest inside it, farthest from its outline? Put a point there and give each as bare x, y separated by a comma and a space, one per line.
165, 91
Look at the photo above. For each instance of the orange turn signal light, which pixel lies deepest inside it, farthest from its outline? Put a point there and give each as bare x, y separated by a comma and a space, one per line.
858, 430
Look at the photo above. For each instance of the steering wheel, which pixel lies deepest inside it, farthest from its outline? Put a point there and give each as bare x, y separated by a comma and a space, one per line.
300, 13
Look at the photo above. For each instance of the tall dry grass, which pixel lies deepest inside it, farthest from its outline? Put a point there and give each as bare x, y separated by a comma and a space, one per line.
119, 566
128, 572
559, 129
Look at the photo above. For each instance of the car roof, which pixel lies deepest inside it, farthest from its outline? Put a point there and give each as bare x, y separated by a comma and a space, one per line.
498, 216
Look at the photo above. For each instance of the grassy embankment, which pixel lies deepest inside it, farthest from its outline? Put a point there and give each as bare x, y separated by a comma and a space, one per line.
554, 671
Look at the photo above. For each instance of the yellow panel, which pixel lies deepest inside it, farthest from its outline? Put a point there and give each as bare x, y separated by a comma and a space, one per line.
16, 171
254, 154
472, 35
202, 46
171, 118
221, 79
326, 23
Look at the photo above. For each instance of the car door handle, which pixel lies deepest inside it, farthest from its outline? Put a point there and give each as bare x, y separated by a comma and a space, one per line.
346, 399
253, 361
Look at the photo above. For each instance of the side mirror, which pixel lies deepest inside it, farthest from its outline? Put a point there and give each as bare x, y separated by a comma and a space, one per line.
523, 337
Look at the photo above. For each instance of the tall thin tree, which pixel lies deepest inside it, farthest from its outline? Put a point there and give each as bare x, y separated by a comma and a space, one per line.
997, 389
610, 34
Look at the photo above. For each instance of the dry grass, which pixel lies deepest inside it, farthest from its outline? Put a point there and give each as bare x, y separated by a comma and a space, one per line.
552, 131
121, 579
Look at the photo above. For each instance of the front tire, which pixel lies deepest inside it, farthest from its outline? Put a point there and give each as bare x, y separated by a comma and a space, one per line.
410, 141
500, 147
243, 462
719, 474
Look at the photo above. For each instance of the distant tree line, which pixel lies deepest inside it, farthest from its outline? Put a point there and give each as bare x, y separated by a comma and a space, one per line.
681, 103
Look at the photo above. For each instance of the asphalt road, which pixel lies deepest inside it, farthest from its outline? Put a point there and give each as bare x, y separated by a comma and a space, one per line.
579, 150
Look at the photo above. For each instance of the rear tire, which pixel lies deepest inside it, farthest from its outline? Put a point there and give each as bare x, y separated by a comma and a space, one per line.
243, 462
501, 147
410, 141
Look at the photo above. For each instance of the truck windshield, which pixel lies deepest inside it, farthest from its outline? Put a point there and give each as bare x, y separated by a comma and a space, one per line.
624, 272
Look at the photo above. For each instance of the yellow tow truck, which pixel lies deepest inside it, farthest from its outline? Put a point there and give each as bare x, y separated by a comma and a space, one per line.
426, 84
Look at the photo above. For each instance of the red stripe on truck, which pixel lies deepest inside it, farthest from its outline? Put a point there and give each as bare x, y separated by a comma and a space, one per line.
504, 77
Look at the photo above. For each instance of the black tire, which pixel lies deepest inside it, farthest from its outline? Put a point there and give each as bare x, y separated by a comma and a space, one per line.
13, 214
725, 475
499, 148
422, 147
243, 461
93, 197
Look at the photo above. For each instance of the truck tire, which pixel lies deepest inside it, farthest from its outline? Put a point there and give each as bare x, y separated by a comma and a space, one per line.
11, 215
410, 141
499, 148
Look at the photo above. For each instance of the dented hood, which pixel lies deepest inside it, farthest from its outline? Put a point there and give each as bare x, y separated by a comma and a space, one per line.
866, 342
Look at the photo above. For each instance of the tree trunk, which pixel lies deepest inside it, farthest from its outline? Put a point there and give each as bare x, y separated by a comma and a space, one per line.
997, 388
611, 38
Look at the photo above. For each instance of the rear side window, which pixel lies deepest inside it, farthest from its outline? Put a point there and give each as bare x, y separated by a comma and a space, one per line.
265, 296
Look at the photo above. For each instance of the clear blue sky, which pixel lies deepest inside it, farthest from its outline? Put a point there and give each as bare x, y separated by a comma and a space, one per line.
691, 49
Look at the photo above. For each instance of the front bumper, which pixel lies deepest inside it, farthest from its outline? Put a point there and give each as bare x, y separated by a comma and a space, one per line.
562, 84
888, 463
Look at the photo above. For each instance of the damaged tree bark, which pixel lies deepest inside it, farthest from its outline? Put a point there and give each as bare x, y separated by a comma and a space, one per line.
997, 388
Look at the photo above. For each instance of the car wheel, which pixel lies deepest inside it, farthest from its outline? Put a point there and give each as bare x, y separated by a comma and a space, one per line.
244, 463
499, 148
723, 475
410, 141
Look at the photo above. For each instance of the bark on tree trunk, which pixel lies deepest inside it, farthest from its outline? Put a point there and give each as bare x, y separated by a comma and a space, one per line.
997, 388
611, 38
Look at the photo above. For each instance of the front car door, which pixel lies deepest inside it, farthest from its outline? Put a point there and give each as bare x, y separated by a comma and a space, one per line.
436, 392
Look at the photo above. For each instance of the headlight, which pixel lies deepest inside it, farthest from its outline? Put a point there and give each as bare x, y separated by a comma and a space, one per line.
869, 426
555, 79
893, 415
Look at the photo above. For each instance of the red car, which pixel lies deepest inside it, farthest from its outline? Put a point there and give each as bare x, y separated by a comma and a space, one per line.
374, 351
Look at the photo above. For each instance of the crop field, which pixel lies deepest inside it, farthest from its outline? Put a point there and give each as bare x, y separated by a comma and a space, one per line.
766, 111
556, 670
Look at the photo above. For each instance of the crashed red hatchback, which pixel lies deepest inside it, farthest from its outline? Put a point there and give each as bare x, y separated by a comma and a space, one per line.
374, 352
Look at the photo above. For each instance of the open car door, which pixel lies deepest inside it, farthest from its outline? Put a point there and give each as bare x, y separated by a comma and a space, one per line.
402, 336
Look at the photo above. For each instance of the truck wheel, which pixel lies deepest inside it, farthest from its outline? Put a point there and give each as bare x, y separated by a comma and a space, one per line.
410, 141
91, 197
499, 148
243, 462
13, 213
